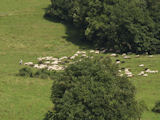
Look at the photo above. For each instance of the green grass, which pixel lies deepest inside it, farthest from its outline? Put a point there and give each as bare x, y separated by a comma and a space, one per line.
25, 34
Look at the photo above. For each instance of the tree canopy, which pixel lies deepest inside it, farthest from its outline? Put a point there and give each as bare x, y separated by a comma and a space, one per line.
125, 25
92, 90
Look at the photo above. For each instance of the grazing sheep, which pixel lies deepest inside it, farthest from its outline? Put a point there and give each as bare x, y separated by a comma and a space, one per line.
127, 57
83, 52
47, 62
151, 71
124, 54
113, 55
55, 62
130, 75
73, 57
91, 51
78, 52
29, 63
119, 70
65, 57
150, 56
54, 59
141, 73
55, 67
137, 56
40, 59
97, 51
141, 65
118, 62
84, 55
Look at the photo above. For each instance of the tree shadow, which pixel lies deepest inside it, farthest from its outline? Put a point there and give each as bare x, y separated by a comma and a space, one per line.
72, 33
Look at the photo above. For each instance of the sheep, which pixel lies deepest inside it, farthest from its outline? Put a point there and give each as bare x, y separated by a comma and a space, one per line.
73, 57
47, 62
65, 57
119, 70
54, 59
97, 52
55, 62
83, 52
150, 56
124, 54
78, 52
128, 73
91, 51
113, 55
141, 73
141, 65
137, 56
84, 55
151, 71
118, 62
127, 57
29, 63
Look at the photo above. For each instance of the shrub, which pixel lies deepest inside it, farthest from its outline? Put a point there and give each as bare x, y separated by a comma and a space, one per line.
26, 72
156, 107
92, 90
42, 73
45, 74
126, 25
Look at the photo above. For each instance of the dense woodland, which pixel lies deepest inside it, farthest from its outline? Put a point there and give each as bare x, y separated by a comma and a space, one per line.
122, 25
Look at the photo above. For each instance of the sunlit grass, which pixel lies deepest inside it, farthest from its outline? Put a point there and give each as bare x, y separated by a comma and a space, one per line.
26, 35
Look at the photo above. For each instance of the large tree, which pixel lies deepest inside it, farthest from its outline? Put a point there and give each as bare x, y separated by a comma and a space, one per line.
92, 90
126, 25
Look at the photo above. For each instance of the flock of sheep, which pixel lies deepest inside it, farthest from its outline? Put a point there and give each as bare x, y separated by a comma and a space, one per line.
50, 63
127, 71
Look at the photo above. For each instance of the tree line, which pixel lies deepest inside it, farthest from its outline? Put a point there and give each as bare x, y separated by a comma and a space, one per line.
124, 25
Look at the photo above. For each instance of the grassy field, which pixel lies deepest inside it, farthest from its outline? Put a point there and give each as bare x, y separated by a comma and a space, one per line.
26, 34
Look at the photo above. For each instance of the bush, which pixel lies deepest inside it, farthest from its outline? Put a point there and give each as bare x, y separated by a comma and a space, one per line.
92, 90
42, 73
156, 107
126, 25
26, 72
45, 74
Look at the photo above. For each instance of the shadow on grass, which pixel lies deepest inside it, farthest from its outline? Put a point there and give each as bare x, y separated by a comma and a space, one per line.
72, 33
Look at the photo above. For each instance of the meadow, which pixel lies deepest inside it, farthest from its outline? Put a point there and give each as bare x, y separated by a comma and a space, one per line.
25, 34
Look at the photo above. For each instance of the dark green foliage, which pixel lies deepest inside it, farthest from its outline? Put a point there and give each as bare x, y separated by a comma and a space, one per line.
45, 74
92, 90
126, 25
156, 107
26, 72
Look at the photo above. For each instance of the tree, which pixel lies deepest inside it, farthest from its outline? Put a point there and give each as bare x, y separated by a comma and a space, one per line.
92, 90
125, 25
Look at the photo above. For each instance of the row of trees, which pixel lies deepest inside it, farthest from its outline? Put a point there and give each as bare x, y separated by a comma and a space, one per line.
125, 25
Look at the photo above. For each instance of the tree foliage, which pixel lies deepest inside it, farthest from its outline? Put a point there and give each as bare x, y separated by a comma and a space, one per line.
126, 25
156, 108
92, 90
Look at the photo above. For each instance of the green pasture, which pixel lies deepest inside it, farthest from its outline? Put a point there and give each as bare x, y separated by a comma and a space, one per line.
26, 34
